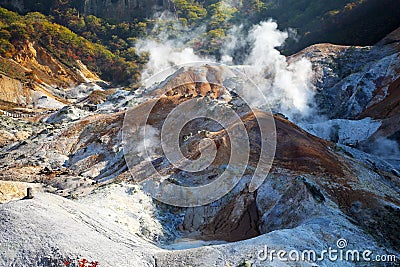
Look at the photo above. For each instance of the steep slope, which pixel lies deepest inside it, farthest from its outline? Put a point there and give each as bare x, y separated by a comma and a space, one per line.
357, 88
43, 56
313, 185
350, 79
60, 229
34, 75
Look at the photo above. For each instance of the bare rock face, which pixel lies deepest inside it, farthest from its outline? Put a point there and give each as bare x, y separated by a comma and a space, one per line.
356, 83
124, 10
44, 67
32, 70
12, 90
351, 79
35, 79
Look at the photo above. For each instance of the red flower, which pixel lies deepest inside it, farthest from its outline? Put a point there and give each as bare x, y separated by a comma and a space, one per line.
82, 262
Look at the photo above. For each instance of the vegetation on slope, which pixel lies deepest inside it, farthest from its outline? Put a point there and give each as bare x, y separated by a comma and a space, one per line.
107, 47
63, 44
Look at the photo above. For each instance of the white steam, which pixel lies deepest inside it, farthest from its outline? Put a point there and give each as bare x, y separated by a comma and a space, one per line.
387, 149
148, 142
232, 43
165, 54
287, 86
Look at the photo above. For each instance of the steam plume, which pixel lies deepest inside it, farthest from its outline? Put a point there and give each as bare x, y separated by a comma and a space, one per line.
287, 86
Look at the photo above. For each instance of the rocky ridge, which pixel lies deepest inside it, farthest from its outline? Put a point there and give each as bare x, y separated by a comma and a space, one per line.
357, 84
33, 78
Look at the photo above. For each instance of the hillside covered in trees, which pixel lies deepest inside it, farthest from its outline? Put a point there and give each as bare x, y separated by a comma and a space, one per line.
69, 29
63, 44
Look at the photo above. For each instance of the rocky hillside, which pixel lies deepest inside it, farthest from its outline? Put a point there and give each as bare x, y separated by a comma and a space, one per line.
315, 193
59, 51
100, 165
44, 66
355, 84
33, 78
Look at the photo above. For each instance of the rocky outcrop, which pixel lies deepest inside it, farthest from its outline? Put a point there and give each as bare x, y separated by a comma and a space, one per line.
44, 69
349, 79
33, 78
359, 83
15, 190
14, 91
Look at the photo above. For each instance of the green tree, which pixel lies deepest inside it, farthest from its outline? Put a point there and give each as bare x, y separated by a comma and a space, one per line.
191, 11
